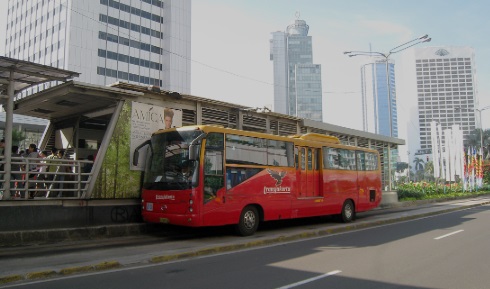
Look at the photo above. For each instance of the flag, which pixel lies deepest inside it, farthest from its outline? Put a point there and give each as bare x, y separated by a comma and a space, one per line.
465, 171
479, 169
472, 168
435, 149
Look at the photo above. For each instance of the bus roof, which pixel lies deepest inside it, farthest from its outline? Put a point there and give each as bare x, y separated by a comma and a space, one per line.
315, 139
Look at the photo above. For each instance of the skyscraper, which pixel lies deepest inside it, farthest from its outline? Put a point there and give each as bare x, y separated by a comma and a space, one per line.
377, 94
145, 42
446, 89
297, 81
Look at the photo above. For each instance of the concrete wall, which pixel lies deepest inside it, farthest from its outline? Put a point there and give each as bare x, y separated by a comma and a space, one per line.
34, 215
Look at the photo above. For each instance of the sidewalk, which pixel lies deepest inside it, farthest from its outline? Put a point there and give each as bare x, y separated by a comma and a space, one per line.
74, 257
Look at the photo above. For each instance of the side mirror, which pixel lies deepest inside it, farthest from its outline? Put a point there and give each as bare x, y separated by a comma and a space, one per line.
136, 152
136, 156
193, 152
194, 147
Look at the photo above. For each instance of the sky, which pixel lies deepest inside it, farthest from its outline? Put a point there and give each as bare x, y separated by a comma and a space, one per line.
230, 48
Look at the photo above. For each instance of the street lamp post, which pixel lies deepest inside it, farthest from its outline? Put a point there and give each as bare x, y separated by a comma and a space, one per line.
386, 56
481, 124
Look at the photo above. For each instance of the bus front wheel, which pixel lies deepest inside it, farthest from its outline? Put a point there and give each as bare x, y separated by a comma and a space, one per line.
249, 221
348, 212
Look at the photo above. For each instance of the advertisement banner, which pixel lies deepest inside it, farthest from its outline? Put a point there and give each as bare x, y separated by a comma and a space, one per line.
145, 120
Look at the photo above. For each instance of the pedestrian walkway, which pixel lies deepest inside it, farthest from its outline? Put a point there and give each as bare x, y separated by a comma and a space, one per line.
30, 262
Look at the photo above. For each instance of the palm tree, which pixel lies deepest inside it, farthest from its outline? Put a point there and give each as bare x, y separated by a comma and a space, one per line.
419, 163
429, 170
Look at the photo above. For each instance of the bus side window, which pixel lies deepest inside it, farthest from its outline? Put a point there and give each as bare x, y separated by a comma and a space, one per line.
361, 161
310, 159
296, 157
213, 165
303, 158
317, 159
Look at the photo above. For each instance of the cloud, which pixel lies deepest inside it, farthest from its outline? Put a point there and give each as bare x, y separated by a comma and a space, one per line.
230, 50
390, 29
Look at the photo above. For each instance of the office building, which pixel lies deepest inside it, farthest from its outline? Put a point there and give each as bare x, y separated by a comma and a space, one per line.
446, 89
143, 42
297, 81
379, 111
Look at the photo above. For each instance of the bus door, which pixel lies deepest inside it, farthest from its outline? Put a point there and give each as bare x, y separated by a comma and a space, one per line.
214, 197
313, 168
309, 172
362, 181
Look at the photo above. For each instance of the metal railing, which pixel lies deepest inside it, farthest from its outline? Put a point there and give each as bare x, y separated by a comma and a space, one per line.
46, 178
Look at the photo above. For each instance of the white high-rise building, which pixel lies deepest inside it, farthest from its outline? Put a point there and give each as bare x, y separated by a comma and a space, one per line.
446, 89
146, 42
297, 81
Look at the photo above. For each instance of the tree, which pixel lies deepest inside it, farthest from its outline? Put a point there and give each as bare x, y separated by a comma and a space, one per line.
419, 175
401, 166
419, 164
474, 139
17, 137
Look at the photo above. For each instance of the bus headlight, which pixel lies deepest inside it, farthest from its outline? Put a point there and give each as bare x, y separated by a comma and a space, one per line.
191, 202
191, 210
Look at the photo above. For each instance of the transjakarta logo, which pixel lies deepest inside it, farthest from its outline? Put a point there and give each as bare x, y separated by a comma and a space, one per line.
165, 197
278, 189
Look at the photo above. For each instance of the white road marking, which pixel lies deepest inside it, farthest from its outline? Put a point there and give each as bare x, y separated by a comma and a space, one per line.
310, 280
447, 235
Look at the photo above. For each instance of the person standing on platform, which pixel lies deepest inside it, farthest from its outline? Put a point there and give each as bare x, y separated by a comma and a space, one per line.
52, 168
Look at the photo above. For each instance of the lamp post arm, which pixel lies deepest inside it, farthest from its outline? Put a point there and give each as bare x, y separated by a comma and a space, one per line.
424, 38
485, 108
365, 53
395, 50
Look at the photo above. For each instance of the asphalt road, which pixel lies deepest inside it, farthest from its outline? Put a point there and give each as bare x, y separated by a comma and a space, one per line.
442, 251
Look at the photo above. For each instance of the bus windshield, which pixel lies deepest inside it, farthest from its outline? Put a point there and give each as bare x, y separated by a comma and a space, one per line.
168, 166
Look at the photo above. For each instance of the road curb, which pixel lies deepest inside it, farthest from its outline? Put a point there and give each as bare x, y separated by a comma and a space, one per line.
76, 270
108, 265
46, 236
300, 236
11, 278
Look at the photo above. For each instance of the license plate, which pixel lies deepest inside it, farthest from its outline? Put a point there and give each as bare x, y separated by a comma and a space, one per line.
149, 206
164, 220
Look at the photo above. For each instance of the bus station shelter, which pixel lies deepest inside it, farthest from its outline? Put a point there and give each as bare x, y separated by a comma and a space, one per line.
86, 119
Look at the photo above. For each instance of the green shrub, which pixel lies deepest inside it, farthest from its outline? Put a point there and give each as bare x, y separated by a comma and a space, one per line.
425, 190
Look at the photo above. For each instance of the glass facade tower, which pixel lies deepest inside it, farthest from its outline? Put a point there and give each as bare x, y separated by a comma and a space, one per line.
376, 107
145, 42
297, 81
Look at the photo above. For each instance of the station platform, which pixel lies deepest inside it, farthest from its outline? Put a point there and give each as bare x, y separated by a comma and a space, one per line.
101, 248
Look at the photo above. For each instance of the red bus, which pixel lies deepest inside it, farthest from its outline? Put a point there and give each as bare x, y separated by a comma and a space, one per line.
211, 176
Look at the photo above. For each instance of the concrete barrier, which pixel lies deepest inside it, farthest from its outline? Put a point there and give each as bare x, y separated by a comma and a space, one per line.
389, 198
